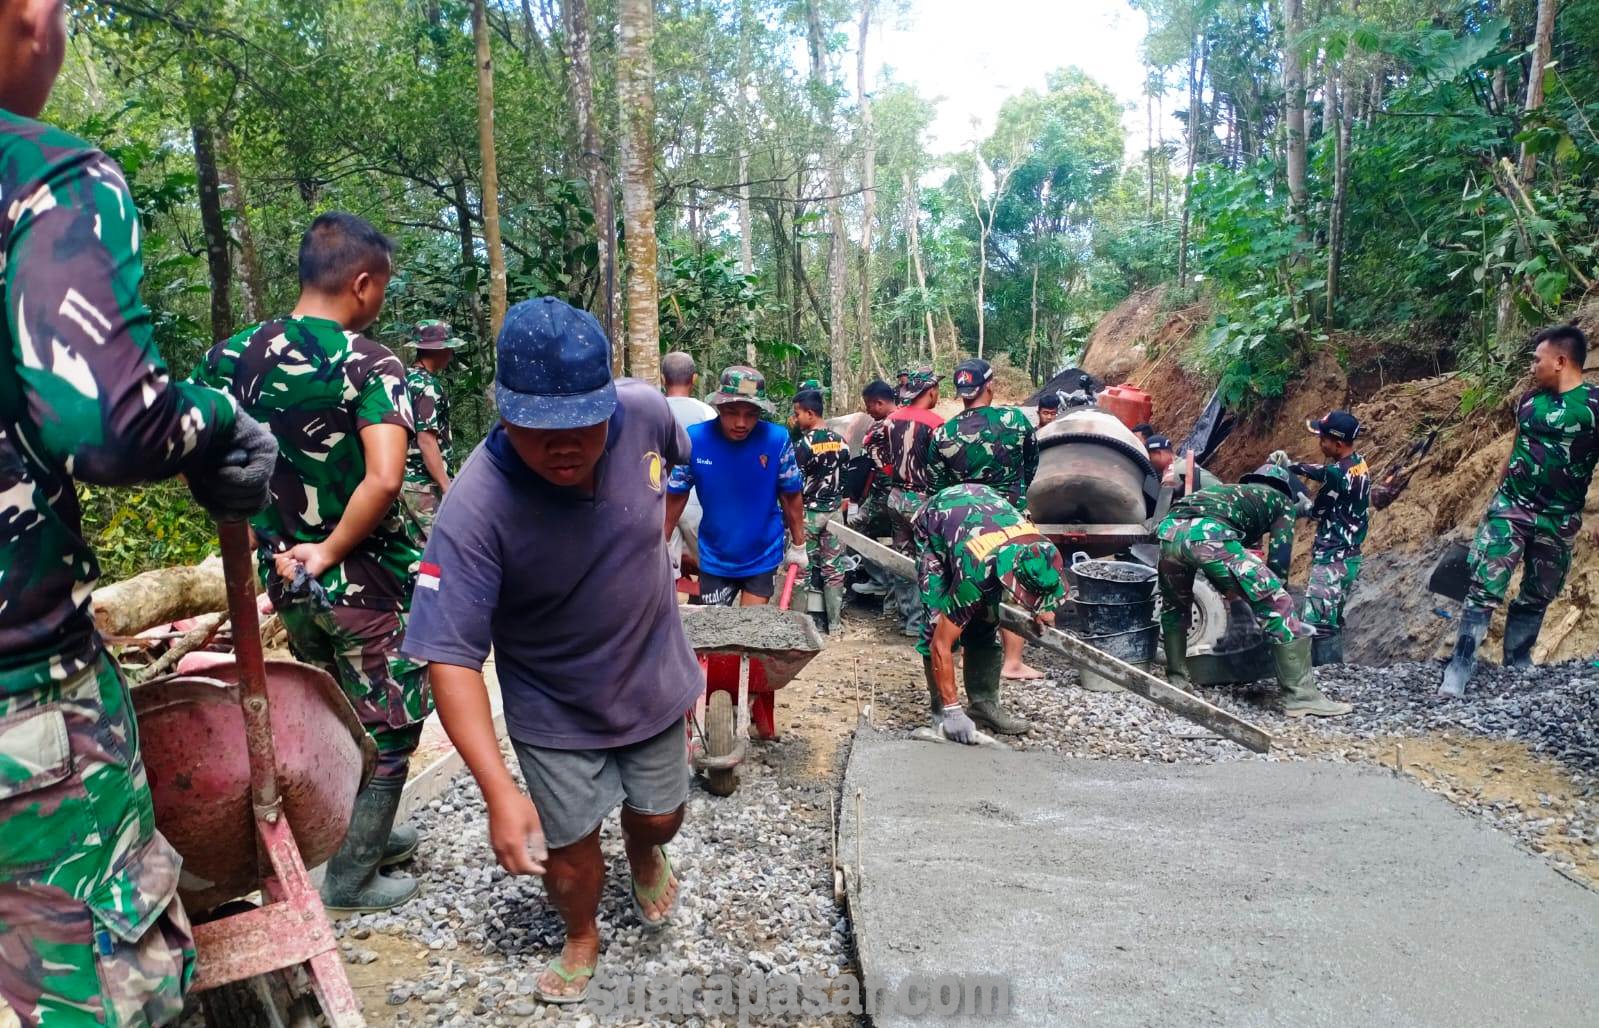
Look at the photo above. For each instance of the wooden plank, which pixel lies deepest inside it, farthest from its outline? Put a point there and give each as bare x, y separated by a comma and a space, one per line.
1084, 656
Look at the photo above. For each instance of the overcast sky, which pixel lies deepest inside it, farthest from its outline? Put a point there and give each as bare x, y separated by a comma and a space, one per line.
972, 54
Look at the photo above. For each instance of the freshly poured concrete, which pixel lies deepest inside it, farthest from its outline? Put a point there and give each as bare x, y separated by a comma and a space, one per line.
1253, 893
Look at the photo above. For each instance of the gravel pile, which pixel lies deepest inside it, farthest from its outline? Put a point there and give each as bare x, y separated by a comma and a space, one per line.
757, 896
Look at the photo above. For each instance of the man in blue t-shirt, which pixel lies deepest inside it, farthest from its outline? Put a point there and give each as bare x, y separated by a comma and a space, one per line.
749, 487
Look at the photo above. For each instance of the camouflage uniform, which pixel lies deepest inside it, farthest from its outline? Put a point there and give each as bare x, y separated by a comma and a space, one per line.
431, 407
1342, 511
990, 445
969, 542
821, 454
317, 385
898, 446
1208, 532
91, 932
1537, 510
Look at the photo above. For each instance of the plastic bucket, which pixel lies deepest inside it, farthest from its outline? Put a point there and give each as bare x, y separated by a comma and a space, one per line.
1134, 647
1114, 618
1111, 581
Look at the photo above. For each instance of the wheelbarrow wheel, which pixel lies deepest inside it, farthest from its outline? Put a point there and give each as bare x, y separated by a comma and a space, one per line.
720, 725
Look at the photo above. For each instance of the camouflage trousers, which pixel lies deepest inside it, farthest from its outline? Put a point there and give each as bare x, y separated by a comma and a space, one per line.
91, 929
825, 551
902, 506
874, 518
422, 500
1331, 581
1510, 536
361, 650
1203, 546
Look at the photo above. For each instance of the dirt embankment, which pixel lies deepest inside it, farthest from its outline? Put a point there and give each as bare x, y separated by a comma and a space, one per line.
1392, 615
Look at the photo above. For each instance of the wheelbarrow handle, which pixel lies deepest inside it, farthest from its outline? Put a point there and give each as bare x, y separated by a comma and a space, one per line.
788, 587
238, 574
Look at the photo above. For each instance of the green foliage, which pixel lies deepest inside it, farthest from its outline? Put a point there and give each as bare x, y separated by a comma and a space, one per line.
133, 530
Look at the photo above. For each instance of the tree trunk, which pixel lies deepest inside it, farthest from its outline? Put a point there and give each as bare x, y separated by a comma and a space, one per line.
635, 94
1542, 43
463, 227
746, 227
579, 24
217, 258
1032, 332
821, 91
1294, 104
913, 240
156, 597
1149, 151
252, 283
863, 320
1338, 98
1196, 72
491, 177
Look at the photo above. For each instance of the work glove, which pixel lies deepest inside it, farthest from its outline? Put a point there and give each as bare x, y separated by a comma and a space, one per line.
1280, 458
238, 487
958, 727
797, 556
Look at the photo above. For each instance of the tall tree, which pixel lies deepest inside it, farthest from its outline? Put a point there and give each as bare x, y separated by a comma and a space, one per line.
863, 319
1542, 43
579, 26
1294, 109
635, 95
822, 93
489, 169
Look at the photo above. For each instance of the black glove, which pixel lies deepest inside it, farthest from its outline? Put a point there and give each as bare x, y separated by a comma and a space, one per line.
238, 486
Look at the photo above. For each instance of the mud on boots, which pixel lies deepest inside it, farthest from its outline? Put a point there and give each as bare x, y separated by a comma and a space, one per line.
1301, 698
355, 882
1457, 673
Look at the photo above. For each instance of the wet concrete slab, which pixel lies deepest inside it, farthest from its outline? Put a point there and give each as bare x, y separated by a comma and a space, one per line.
1249, 893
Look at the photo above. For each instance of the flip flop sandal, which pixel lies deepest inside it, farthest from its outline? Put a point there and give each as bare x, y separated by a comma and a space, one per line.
558, 969
642, 895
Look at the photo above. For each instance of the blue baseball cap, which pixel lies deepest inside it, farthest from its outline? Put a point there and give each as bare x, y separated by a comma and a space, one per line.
554, 367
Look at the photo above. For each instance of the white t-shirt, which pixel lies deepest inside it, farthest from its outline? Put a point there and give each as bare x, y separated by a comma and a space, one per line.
690, 411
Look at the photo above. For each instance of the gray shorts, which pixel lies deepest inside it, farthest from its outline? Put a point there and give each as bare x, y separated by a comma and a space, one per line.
574, 790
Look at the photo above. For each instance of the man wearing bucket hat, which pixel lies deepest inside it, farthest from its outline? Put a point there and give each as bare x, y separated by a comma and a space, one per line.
1210, 533
975, 551
1342, 513
427, 465
900, 446
549, 550
748, 482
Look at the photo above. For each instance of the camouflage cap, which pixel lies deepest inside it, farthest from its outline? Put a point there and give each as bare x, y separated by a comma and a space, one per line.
1031, 573
742, 384
920, 381
435, 335
1272, 475
971, 376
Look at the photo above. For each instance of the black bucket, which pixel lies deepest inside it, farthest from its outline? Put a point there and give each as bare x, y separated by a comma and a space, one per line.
1134, 647
1111, 581
1114, 618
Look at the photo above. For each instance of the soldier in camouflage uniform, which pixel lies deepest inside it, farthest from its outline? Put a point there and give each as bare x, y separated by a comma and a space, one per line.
821, 454
1342, 513
91, 930
974, 551
899, 447
427, 465
993, 446
1209, 533
338, 405
1537, 510
870, 514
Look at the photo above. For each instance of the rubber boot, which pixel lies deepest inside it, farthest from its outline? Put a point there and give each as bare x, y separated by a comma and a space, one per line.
912, 610
1473, 626
1301, 698
1328, 648
353, 882
982, 693
833, 604
1174, 641
402, 846
1521, 631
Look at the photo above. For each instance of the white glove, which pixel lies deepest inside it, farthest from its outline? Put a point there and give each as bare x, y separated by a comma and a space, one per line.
957, 726
797, 556
1280, 458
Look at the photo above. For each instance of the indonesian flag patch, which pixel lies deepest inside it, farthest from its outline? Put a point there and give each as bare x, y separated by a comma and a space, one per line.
427, 576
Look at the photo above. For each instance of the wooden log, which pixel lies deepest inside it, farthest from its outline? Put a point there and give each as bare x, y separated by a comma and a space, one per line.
1084, 656
156, 597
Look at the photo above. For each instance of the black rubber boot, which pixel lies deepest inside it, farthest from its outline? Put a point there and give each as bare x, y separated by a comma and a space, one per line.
981, 676
1457, 673
353, 882
1327, 649
1521, 632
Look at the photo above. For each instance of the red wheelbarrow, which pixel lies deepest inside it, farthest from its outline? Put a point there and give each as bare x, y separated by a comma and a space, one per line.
747, 653
254, 767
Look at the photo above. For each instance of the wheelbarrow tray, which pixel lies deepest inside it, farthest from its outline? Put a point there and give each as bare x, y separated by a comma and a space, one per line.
781, 641
193, 738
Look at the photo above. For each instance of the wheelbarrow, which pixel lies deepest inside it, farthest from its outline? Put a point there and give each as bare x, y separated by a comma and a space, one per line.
747, 654
254, 767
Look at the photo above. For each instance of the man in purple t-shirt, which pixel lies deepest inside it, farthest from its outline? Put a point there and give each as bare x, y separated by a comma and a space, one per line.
548, 548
